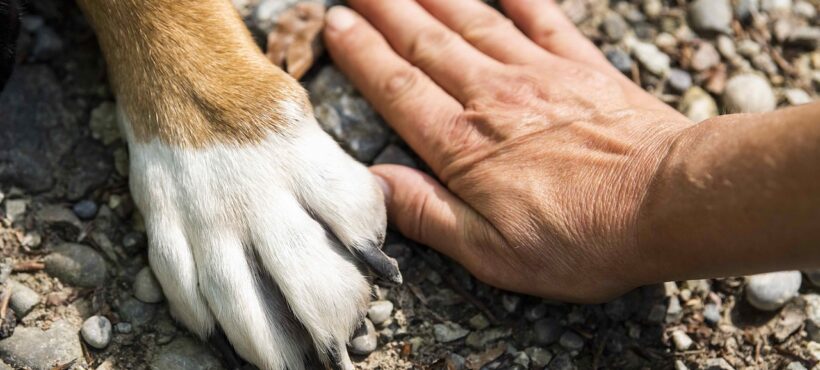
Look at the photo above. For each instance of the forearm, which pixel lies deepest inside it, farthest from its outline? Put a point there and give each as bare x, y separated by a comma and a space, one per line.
737, 194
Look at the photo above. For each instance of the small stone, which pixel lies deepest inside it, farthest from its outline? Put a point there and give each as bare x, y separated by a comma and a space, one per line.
136, 312
85, 209
547, 331
536, 312
769, 292
748, 48
812, 323
121, 163
805, 37
32, 347
15, 209
650, 57
717, 364
479, 322
697, 104
393, 154
454, 361
32, 240
749, 93
710, 15
571, 341
449, 332
480, 339
681, 340
364, 339
60, 220
705, 57
674, 311
614, 26
745, 8
23, 299
522, 359
539, 357
97, 331
726, 46
620, 60
380, 311
77, 264
184, 354
805, 9
814, 349
562, 362
679, 80
103, 123
146, 286
795, 365
652, 8
776, 5
123, 327
133, 242
797, 96
679, 365
510, 302
711, 313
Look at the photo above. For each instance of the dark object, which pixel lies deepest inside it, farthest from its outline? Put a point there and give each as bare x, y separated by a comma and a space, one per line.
9, 29
85, 209
8, 323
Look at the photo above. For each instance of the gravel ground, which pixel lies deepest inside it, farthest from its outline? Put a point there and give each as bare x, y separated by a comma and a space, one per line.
73, 247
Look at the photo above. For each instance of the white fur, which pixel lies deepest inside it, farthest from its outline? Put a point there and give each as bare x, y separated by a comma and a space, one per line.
209, 211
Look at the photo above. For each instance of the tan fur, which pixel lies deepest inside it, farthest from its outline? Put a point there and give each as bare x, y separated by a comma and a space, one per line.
188, 72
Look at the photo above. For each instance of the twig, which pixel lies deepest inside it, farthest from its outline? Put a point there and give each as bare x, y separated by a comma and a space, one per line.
64, 366
4, 303
28, 266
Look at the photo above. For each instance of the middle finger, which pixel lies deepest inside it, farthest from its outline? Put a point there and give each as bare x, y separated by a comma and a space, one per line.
418, 37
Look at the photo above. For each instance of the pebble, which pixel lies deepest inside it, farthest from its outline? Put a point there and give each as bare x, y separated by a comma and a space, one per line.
535, 312
364, 339
812, 316
479, 322
539, 357
547, 331
674, 311
805, 9
571, 341
776, 5
748, 93
379, 311
795, 365
620, 60
814, 349
748, 48
146, 286
454, 361
123, 327
133, 242
679, 80
705, 57
745, 8
679, 365
697, 104
97, 331
522, 359
717, 364
31, 347
480, 339
23, 299
681, 340
650, 57
15, 209
726, 46
136, 312
562, 362
510, 302
60, 219
77, 264
652, 8
184, 354
710, 15
103, 123
711, 313
85, 209
769, 292
448, 332
614, 26
797, 96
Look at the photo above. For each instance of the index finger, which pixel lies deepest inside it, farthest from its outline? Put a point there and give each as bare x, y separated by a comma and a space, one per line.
418, 109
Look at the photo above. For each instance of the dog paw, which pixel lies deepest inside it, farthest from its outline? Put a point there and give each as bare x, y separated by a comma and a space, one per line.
270, 241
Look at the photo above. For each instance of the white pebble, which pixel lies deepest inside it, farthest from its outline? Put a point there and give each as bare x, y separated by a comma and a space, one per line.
97, 331
769, 292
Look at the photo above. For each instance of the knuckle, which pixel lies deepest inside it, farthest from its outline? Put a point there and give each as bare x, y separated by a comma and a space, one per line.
400, 82
427, 46
485, 25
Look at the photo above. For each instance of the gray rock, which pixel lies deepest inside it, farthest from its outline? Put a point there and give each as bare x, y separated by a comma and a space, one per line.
480, 339
749, 93
710, 15
379, 311
449, 332
547, 331
510, 302
776, 5
705, 57
454, 361
697, 104
123, 327
345, 114
16, 209
184, 354
795, 365
96, 331
146, 286
745, 8
41, 350
614, 26
479, 322
769, 292
89, 168
60, 220
571, 341
364, 339
103, 123
521, 358
620, 60
539, 357
77, 264
133, 242
679, 80
136, 312
681, 340
85, 209
717, 364
654, 60
393, 154
562, 362
23, 299
812, 316
711, 313
797, 96
748, 48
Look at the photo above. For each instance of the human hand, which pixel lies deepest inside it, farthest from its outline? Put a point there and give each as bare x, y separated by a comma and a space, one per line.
545, 151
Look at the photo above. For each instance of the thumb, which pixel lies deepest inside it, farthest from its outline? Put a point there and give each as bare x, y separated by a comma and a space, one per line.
425, 211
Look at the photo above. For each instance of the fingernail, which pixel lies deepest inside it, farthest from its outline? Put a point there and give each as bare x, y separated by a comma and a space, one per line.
340, 18
386, 190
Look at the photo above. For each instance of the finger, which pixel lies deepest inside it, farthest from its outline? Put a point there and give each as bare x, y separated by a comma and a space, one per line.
425, 211
421, 39
544, 22
418, 109
486, 29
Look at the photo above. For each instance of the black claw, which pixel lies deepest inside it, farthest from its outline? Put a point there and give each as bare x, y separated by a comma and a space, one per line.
220, 343
383, 265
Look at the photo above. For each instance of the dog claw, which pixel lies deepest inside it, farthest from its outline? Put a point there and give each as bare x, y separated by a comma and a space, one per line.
383, 265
